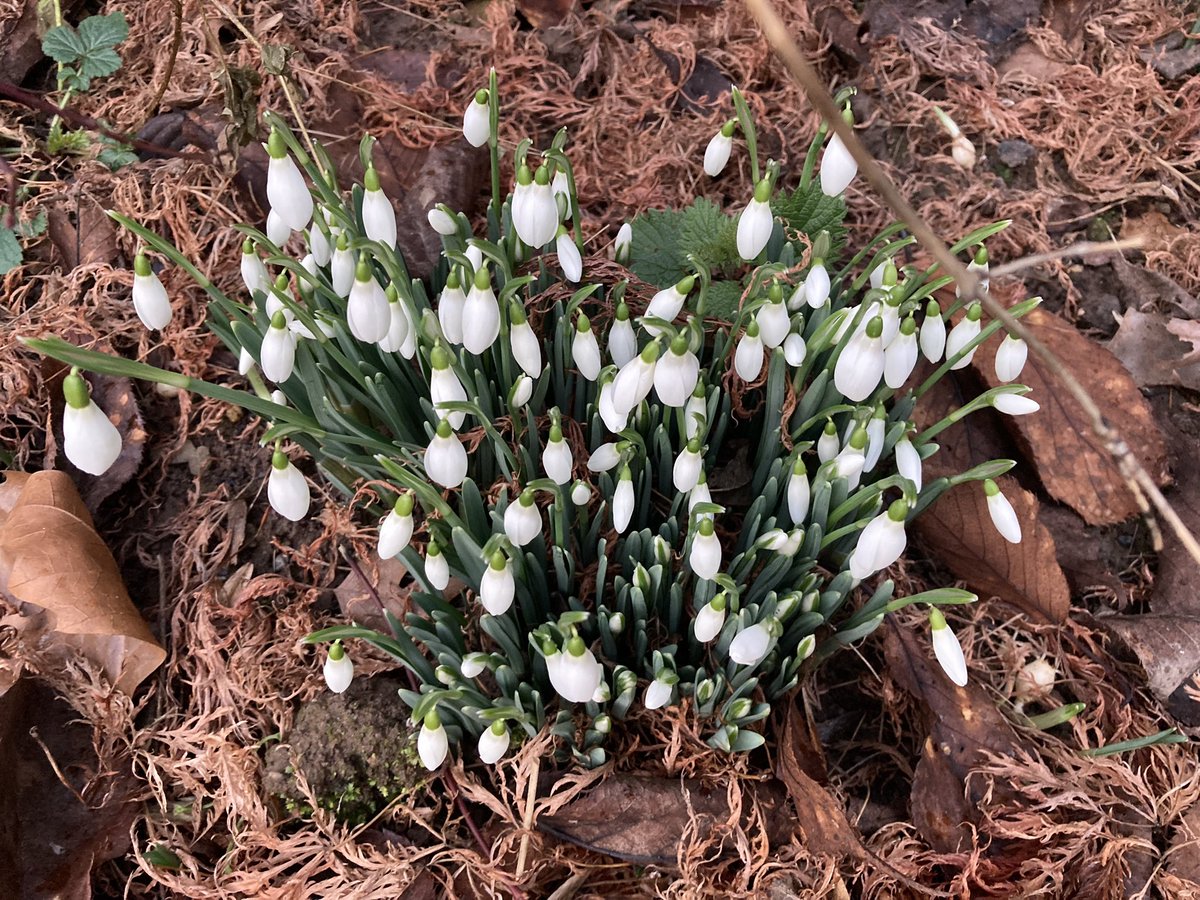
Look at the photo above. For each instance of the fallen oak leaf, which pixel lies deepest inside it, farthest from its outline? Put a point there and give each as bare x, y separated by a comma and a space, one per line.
1168, 648
1158, 350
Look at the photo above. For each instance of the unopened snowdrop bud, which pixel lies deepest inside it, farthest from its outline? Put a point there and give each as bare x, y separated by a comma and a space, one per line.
445, 675
1015, 404
318, 240
450, 308
497, 587
90, 440
961, 148
473, 665
880, 543
604, 457
785, 543
748, 358
477, 120
700, 494
287, 489
962, 334
668, 303
633, 383
568, 256
445, 457
338, 669
816, 285
794, 349
799, 492
828, 444
749, 647
580, 493
695, 414
521, 391
444, 386
980, 268
480, 315
658, 693
279, 397
711, 619
705, 555
367, 311
254, 271
686, 472
623, 244
772, 318
716, 154
585, 350
1010, 358
861, 363
400, 337
526, 349
557, 459
494, 743
677, 373
149, 296
395, 531
755, 223
441, 221
622, 502
278, 353
575, 673
245, 361
275, 299
616, 623
900, 357
277, 229
908, 462
286, 191
561, 186
432, 743
622, 342
838, 168
614, 420
342, 267
933, 332
1004, 517
378, 215
946, 648
437, 570
536, 218
522, 522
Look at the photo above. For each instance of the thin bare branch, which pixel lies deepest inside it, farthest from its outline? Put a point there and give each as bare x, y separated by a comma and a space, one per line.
1083, 248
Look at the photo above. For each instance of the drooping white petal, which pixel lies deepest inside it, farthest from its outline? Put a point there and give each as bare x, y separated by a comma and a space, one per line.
318, 243
794, 350
908, 462
799, 493
686, 472
367, 311
614, 420
287, 193
876, 435
569, 258
1010, 358
748, 357
633, 384
709, 622
899, 360
948, 650
437, 572
522, 391
604, 458
879, 545
557, 461
838, 168
665, 305
90, 440
754, 229
493, 745
536, 220
450, 311
379, 218
398, 328
477, 125
623, 243
585, 352
750, 645
716, 154
526, 349
254, 272
481, 316
933, 337
277, 356
622, 341
395, 531
622, 504
150, 302
287, 492
432, 746
444, 387
658, 694
522, 523
1015, 404
1003, 516
675, 377
446, 461
341, 271
497, 589
705, 555
441, 222
960, 335
278, 232
575, 678
816, 286
773, 324
339, 673
859, 367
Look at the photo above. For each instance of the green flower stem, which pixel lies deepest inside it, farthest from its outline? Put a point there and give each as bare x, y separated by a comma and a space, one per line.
983, 401
746, 122
494, 148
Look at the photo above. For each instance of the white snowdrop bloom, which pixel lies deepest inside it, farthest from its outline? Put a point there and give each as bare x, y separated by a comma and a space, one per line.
623, 244
398, 327
946, 648
908, 462
90, 440
795, 350
474, 255
686, 472
933, 332
287, 192
622, 342
900, 357
522, 521
245, 362
450, 308
432, 743
526, 348
277, 229
700, 494
253, 269
748, 357
1003, 516
575, 673
569, 259
1015, 404
342, 268
705, 555
962, 334
437, 569
828, 445
287, 489
378, 215
785, 543
367, 311
480, 315
695, 414
710, 620
580, 493
838, 168
441, 221
979, 267
473, 665
635, 380
668, 303
880, 543
150, 300
1010, 358
658, 694
338, 669
890, 313
561, 186
585, 349
536, 219
444, 386
277, 356
494, 743
604, 458
395, 531
876, 276
622, 501
477, 120
716, 154
796, 300
557, 459
279, 397
876, 435
677, 373
756, 223
850, 460
497, 587
274, 301
773, 320
860, 365
309, 265
318, 242
749, 646
445, 457
799, 492
614, 420
522, 391
816, 285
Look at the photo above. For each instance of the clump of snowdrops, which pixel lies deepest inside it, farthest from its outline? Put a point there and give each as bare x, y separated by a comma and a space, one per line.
607, 492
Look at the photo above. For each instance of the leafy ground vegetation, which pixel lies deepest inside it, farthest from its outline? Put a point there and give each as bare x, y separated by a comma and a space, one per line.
184, 745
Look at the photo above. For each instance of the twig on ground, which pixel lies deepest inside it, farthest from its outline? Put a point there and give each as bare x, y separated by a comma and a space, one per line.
1083, 248
173, 54
527, 821
10, 204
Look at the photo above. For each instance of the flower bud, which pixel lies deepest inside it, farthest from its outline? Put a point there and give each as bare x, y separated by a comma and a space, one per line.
338, 669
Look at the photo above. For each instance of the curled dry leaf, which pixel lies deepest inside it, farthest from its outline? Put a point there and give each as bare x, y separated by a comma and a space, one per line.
1158, 350
52, 558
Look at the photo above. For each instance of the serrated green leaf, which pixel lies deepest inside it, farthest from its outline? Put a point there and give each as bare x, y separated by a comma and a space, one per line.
99, 62
721, 300
103, 32
656, 256
63, 44
809, 211
10, 251
709, 234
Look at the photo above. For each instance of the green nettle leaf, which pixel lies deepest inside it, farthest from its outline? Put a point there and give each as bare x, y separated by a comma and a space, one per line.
99, 62
89, 48
63, 44
721, 301
809, 211
663, 238
709, 234
117, 156
10, 251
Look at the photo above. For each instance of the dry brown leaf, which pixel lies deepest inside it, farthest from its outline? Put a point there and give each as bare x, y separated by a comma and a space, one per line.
81, 231
1158, 349
1183, 860
1072, 463
1168, 647
52, 558
545, 13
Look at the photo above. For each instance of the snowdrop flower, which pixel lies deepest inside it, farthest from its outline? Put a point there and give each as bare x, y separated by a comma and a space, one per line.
772, 318
526, 349
342, 267
585, 350
279, 397
785, 543
622, 342
849, 462
716, 154
876, 276
254, 271
473, 665
979, 267
287, 193
561, 186
1015, 404
522, 521
933, 332
604, 457
700, 494
477, 120
794, 349
686, 471
816, 285
634, 381
677, 373
245, 362
367, 311
437, 570
580, 493
1010, 358
828, 444
623, 244
658, 693
150, 300
750, 646
90, 440
668, 303
1004, 517
900, 357
908, 462
838, 168
574, 673
277, 229
378, 215
880, 543
441, 221
860, 364
277, 355
432, 743
338, 669
535, 219
445, 457
557, 458
274, 301
399, 325
962, 334
946, 648
497, 587
799, 492
748, 358
876, 435
616, 623
705, 555
622, 502
450, 308
318, 240
889, 311
494, 743
614, 420
711, 619
444, 386
474, 255
287, 489
480, 314
568, 256
521, 391
395, 531
695, 414
756, 223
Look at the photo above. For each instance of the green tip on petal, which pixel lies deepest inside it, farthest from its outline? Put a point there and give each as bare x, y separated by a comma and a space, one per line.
707, 528
279, 460
898, 511
336, 652
575, 646
279, 320
75, 390
371, 179
404, 504
444, 429
990, 488
685, 285
481, 96
875, 327
247, 246
937, 621
483, 280
141, 265
276, 145
497, 561
362, 271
